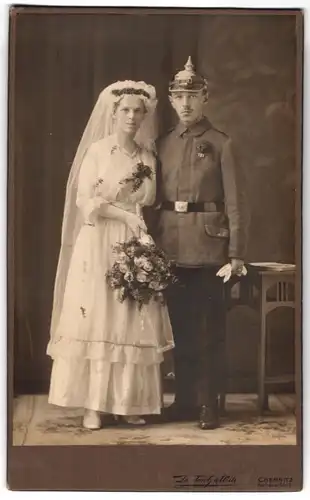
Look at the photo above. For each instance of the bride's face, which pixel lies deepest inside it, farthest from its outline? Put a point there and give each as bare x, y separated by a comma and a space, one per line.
129, 114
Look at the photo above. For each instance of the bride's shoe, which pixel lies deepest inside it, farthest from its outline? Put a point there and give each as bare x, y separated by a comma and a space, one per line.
91, 420
134, 420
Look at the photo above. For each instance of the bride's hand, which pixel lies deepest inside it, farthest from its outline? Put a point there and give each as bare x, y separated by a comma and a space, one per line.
136, 224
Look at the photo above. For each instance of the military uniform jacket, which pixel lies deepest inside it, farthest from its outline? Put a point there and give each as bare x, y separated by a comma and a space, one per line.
198, 165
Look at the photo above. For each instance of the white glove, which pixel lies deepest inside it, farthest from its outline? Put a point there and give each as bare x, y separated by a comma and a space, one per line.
225, 272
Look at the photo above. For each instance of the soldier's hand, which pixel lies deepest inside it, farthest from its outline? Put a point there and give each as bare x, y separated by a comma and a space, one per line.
237, 266
225, 272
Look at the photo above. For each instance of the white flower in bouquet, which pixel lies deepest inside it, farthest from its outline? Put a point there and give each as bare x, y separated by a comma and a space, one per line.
122, 258
142, 276
130, 251
146, 239
129, 276
161, 264
143, 262
139, 261
147, 265
123, 268
156, 286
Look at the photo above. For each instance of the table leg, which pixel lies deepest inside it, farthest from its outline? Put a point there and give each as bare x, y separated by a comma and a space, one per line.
266, 401
222, 402
262, 396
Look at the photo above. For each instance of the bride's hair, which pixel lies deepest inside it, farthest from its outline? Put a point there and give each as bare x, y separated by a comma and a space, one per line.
120, 98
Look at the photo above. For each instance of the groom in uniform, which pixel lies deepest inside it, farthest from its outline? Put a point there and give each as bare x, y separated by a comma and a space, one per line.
200, 225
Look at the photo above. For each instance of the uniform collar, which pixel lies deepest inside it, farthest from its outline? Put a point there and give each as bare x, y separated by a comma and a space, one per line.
195, 130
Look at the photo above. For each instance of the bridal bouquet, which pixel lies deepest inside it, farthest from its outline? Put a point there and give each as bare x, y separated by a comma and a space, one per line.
141, 271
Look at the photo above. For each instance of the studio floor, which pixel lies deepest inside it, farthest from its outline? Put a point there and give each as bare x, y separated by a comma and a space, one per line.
35, 422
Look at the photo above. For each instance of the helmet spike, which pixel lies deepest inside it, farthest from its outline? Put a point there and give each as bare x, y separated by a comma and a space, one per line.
189, 65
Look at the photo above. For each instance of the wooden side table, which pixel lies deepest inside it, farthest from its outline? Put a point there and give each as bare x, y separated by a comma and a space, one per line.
263, 290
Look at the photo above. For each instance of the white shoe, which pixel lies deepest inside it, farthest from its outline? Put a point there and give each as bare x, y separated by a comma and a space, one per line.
91, 420
134, 420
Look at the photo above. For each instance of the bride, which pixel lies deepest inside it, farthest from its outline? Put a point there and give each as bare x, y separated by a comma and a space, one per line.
105, 359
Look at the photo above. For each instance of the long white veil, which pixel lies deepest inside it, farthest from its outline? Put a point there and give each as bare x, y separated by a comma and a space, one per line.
100, 125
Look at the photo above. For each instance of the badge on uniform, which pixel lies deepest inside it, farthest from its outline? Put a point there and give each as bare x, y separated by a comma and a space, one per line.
204, 148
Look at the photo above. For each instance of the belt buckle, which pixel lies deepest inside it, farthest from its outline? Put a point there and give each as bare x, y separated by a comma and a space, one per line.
181, 206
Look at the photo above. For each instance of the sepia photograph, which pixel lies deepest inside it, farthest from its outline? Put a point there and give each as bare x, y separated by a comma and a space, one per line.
154, 208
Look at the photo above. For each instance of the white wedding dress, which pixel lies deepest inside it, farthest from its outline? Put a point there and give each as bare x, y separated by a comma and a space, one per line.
107, 354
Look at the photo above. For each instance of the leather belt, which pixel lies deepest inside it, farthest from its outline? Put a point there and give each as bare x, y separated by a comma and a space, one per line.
188, 206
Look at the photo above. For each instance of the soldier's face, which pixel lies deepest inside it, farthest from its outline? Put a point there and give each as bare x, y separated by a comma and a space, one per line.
188, 105
129, 114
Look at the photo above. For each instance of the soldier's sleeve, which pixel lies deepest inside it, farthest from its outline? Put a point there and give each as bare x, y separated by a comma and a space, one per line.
151, 213
235, 201
158, 198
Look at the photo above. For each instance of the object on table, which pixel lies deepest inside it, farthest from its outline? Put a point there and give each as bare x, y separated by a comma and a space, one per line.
274, 266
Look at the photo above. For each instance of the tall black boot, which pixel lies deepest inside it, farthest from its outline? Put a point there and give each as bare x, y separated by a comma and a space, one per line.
209, 416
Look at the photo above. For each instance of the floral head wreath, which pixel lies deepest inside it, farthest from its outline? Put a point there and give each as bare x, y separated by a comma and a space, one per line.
117, 90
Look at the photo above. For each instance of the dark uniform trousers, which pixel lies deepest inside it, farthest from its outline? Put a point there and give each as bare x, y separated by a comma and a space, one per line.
198, 165
197, 313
